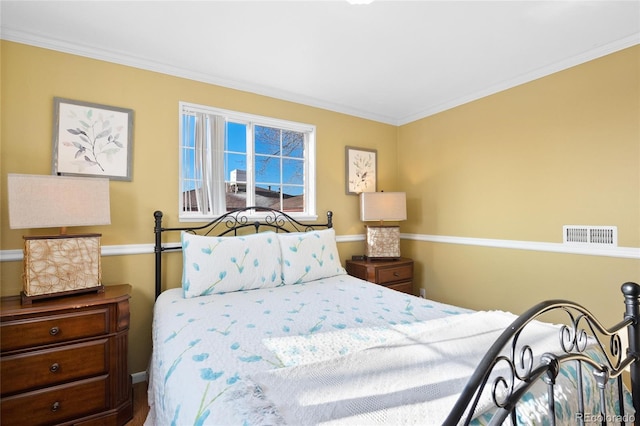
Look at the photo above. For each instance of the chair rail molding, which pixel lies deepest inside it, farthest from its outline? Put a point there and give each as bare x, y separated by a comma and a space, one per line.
619, 252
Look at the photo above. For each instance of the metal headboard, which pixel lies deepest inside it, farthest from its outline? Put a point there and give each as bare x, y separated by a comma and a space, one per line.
580, 326
229, 224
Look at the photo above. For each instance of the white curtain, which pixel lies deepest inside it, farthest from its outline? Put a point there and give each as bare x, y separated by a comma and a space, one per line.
209, 159
218, 137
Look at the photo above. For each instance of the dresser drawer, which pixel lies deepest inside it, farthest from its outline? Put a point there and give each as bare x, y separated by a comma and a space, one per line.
56, 404
44, 330
48, 367
395, 273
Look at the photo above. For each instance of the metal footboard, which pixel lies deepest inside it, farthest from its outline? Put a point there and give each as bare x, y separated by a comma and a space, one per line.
508, 370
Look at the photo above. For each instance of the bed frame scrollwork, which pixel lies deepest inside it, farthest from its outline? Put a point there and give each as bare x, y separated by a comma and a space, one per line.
580, 332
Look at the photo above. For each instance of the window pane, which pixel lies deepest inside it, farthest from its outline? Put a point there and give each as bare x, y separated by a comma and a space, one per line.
293, 144
235, 162
266, 197
235, 165
188, 150
267, 140
293, 171
236, 137
267, 170
293, 199
189, 179
188, 129
236, 181
188, 164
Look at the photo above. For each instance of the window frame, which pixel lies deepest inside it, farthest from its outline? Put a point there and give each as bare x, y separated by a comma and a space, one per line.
309, 212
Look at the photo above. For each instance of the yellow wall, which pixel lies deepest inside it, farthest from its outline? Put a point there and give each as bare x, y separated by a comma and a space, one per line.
518, 165
31, 77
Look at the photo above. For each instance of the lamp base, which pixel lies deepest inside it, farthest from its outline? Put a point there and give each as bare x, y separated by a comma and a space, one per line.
61, 265
383, 243
28, 300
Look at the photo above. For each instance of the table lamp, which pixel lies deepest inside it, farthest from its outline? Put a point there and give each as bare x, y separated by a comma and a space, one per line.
383, 242
56, 265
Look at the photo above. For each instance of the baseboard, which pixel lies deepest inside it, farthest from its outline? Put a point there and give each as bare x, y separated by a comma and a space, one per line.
139, 377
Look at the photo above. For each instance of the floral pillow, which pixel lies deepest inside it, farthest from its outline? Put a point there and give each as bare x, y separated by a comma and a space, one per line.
224, 264
309, 256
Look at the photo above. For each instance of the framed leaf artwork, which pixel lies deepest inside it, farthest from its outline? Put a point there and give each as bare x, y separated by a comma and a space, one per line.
360, 170
92, 140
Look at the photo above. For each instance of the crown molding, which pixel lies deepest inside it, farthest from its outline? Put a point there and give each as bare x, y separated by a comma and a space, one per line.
38, 40
587, 56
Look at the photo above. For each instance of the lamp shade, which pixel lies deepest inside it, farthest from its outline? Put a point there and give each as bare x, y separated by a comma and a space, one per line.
47, 201
383, 206
59, 264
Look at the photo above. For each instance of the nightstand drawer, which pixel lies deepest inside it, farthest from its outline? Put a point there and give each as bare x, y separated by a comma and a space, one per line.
57, 404
397, 273
53, 329
44, 368
405, 287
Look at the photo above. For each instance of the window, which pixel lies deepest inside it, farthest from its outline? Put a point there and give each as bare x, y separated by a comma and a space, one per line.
230, 160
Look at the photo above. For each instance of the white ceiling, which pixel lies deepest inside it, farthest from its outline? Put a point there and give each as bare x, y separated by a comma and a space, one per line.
389, 61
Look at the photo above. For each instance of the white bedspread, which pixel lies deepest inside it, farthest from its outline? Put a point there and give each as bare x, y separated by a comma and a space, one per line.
411, 380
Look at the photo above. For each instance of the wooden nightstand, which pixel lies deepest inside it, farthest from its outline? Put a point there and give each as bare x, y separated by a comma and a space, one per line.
395, 274
64, 360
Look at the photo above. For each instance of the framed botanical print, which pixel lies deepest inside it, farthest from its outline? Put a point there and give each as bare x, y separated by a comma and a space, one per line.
360, 170
91, 140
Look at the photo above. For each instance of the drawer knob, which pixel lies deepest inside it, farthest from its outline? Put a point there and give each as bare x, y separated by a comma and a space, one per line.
55, 367
55, 407
54, 331
395, 274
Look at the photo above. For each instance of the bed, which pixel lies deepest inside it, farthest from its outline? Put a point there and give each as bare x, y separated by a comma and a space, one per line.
266, 328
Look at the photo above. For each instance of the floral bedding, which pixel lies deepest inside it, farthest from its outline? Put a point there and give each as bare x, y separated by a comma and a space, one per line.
206, 347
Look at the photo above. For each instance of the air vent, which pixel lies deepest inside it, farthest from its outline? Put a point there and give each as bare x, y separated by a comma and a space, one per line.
602, 236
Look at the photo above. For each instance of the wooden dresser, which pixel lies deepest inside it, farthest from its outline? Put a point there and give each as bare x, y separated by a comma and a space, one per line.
64, 360
395, 274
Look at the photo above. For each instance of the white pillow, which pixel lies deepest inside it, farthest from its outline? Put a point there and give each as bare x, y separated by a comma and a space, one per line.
224, 264
309, 256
